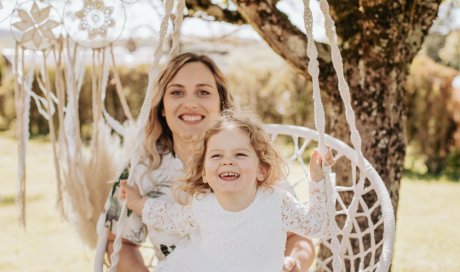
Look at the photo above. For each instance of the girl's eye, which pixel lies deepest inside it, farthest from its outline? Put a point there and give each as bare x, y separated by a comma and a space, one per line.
241, 155
215, 156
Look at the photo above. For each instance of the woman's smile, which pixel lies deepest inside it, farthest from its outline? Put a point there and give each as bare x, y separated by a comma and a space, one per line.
192, 118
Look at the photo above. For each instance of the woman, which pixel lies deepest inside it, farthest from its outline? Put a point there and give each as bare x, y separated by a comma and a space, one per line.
190, 92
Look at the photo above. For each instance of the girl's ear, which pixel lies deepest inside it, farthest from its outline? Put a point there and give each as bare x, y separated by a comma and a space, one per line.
262, 173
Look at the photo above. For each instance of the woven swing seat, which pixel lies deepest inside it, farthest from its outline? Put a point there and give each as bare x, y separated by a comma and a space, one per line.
365, 221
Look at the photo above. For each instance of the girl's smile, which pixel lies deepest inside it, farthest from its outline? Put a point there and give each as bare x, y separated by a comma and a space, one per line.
232, 169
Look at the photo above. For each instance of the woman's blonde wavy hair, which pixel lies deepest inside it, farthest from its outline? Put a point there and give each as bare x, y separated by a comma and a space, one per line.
158, 139
273, 165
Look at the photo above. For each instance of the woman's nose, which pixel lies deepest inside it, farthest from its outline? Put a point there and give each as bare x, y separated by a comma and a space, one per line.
190, 105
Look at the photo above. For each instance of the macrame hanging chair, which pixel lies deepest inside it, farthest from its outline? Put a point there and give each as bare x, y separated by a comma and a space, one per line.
41, 34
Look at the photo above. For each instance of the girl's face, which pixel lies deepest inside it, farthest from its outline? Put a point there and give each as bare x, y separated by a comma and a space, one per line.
190, 101
231, 164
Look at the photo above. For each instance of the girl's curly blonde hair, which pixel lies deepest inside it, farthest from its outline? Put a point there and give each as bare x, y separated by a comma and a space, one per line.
273, 165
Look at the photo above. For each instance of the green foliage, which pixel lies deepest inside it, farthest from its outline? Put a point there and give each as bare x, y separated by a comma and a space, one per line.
277, 94
430, 125
450, 52
452, 169
135, 80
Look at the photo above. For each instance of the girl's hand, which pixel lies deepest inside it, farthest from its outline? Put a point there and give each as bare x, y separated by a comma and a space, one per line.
134, 200
316, 162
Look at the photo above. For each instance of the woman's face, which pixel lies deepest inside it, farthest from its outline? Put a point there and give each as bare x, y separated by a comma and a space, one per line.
191, 101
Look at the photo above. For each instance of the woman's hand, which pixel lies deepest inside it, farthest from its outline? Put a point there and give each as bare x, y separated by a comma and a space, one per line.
290, 265
316, 162
134, 200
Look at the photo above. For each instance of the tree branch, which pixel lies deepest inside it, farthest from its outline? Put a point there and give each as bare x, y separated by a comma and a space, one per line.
283, 37
220, 14
275, 28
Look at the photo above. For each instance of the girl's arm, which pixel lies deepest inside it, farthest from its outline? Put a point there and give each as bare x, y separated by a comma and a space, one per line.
300, 251
308, 221
160, 214
311, 221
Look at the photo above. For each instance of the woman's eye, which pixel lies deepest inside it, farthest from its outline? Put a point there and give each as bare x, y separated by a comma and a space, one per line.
176, 93
203, 92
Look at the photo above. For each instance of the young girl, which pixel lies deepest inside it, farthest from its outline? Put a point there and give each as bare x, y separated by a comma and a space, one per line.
232, 204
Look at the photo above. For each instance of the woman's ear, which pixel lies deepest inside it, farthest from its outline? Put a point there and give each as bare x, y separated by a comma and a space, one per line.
203, 177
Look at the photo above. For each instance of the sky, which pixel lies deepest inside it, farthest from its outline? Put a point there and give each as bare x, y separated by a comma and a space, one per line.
143, 19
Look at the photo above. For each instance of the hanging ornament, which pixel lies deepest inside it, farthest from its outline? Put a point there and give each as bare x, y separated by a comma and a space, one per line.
35, 24
94, 23
129, 1
6, 8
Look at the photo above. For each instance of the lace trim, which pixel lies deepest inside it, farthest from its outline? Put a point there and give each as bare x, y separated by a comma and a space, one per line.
168, 216
308, 221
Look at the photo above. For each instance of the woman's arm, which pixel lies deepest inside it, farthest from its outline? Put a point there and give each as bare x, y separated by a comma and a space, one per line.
300, 253
130, 257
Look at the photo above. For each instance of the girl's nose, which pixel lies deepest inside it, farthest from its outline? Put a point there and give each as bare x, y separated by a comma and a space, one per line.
227, 162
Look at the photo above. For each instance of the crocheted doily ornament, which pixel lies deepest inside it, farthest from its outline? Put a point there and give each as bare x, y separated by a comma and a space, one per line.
130, 1
35, 24
6, 8
94, 23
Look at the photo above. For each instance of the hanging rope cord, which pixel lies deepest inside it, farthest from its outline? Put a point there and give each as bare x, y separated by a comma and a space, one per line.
141, 122
338, 249
313, 70
344, 90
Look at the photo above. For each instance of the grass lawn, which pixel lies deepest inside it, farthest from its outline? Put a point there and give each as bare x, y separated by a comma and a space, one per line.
427, 237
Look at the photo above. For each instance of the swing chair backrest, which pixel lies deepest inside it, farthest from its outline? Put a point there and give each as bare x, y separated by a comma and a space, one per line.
369, 222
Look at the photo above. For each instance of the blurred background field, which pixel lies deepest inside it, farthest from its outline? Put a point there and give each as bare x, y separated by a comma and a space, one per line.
427, 236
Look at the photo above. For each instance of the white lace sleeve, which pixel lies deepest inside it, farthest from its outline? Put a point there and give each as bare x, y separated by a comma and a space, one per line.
168, 216
309, 221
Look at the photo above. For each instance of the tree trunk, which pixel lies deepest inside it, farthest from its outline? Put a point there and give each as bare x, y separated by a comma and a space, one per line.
378, 40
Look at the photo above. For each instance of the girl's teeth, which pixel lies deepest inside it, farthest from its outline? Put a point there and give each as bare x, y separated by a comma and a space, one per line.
229, 175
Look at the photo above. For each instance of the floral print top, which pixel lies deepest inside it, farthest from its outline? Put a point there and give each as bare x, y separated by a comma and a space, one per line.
154, 184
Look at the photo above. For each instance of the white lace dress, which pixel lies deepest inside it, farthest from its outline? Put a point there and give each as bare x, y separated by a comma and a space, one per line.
250, 240
154, 184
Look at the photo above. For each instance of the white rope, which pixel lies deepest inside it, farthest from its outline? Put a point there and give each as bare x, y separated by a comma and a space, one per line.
119, 87
144, 113
60, 92
75, 180
141, 122
45, 86
177, 27
313, 69
22, 103
349, 115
